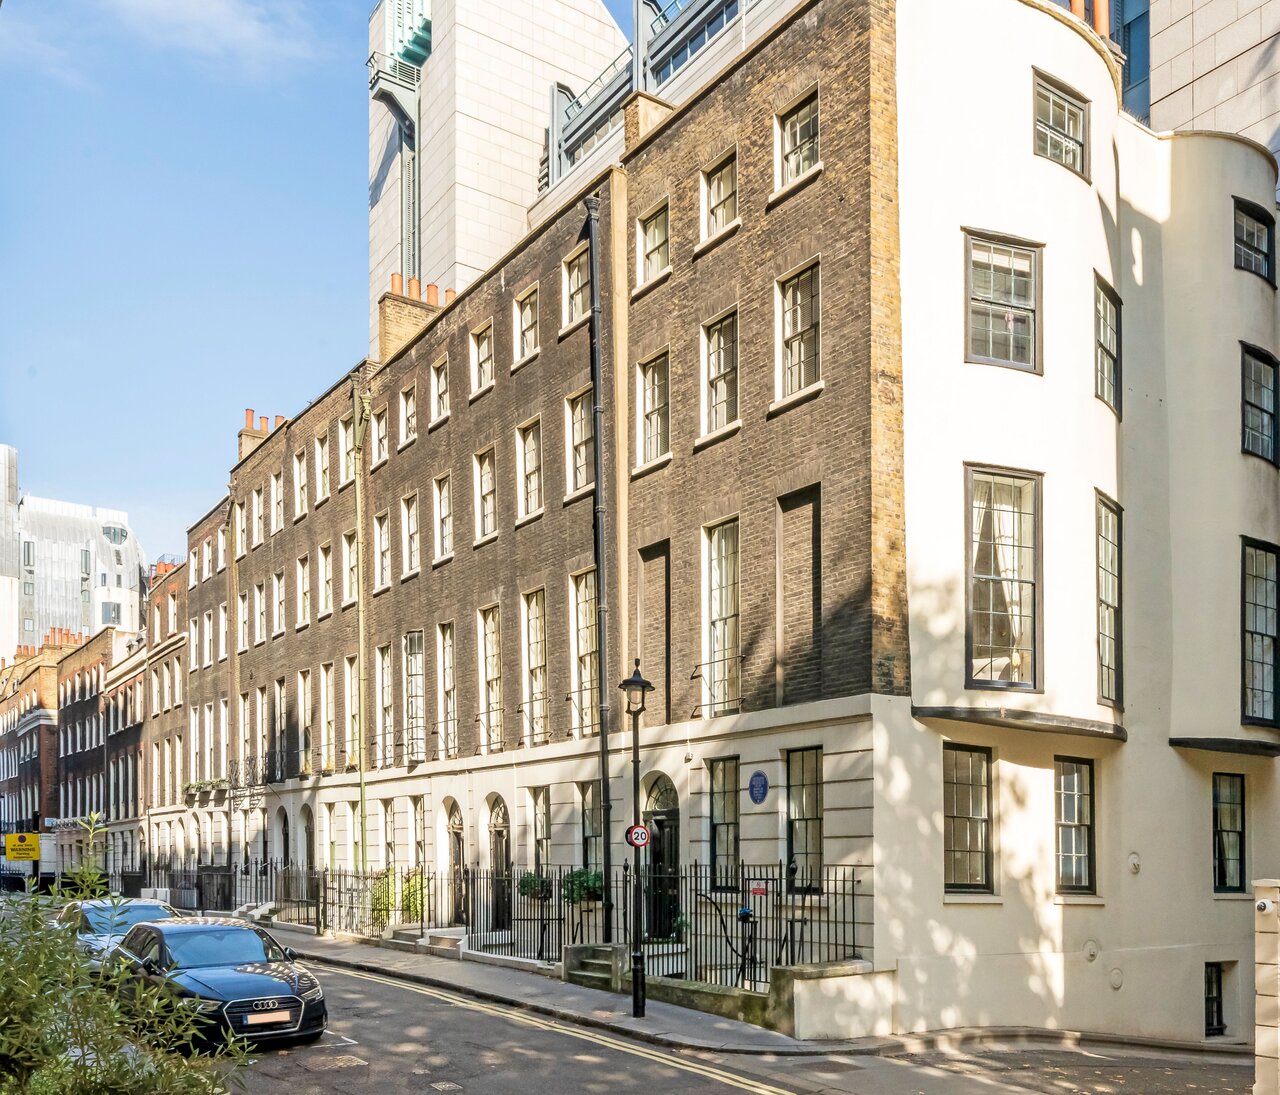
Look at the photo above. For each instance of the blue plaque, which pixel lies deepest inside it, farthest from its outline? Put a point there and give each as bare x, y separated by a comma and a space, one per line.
758, 787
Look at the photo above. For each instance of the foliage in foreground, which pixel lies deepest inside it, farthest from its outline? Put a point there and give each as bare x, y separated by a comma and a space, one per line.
66, 1030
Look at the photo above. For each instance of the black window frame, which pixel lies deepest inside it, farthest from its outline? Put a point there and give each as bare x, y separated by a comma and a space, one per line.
1101, 285
1256, 353
794, 874
1220, 860
1103, 502
1036, 684
1090, 826
987, 886
1248, 543
728, 801
1215, 1019
1258, 213
1004, 239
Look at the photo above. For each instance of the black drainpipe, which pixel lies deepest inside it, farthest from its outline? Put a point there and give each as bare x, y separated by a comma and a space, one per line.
602, 609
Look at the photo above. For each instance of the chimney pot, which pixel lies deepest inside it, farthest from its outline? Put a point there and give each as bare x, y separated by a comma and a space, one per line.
248, 418
449, 294
279, 421
433, 293
262, 423
415, 289
397, 285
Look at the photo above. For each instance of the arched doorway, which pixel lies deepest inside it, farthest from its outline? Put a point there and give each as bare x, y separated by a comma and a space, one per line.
307, 846
282, 826
457, 861
500, 864
662, 816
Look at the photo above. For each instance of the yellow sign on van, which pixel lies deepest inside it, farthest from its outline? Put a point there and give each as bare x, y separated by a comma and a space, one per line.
22, 846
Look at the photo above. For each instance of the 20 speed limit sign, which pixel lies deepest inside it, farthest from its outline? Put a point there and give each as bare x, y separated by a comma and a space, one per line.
637, 836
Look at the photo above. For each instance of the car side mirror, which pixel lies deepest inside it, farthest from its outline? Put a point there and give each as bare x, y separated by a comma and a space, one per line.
291, 954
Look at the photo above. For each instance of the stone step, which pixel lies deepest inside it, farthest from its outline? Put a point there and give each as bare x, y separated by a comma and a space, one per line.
599, 965
400, 945
406, 935
443, 952
591, 979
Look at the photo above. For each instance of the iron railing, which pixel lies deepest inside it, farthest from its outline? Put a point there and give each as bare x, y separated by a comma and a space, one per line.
575, 105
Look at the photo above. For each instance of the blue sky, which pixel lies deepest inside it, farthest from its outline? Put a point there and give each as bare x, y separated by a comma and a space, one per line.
183, 234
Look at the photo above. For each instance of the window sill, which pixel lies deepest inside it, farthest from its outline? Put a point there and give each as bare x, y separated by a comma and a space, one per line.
379, 590
480, 392
436, 423
350, 603
568, 329
784, 192
778, 406
641, 470
409, 574
972, 899
712, 242
580, 493
709, 439
324, 615
344, 486
278, 633
646, 287
1078, 899
321, 500
489, 539
529, 518
440, 560
377, 464
299, 516
406, 443
258, 642
1233, 897
302, 626
532, 355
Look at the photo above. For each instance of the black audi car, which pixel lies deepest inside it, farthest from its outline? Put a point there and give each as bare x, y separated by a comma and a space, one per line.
237, 976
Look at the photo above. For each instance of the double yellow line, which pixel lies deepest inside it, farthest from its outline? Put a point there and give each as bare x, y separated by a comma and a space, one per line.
598, 1038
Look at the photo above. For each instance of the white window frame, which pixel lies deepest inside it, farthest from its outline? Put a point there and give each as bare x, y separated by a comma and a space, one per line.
440, 391
529, 480
645, 271
483, 535
277, 502
302, 586
706, 401
536, 728
723, 673
568, 316
350, 569
408, 414
277, 603
384, 706
447, 688
324, 580
644, 456
783, 175
222, 631
414, 694
378, 437
570, 445
382, 550
346, 451
710, 230
257, 516
781, 373
489, 657
241, 530
442, 498
323, 482
222, 548
521, 352
300, 486
410, 535
206, 559
259, 613
482, 339
583, 709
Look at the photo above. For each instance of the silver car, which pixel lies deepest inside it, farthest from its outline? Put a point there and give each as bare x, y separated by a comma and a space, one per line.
102, 922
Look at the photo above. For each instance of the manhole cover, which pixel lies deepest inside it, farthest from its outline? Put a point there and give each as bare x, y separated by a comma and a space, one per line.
328, 1064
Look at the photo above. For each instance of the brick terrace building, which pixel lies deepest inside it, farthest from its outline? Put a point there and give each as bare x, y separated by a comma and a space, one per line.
172, 834
125, 712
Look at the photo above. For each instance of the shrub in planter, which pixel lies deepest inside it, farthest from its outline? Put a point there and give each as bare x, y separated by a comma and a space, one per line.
581, 885
382, 896
535, 886
413, 896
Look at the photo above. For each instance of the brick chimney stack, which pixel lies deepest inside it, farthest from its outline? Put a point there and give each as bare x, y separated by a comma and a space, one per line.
250, 438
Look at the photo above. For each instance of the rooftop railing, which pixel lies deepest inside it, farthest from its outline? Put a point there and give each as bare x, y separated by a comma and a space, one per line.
606, 77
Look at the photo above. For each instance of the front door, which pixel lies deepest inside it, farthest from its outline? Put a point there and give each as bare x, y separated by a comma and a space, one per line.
457, 881
500, 864
662, 884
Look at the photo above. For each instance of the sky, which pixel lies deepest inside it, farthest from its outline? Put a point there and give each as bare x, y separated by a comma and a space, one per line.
183, 234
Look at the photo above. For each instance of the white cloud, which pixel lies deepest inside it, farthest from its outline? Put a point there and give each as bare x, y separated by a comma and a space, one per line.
25, 47
253, 34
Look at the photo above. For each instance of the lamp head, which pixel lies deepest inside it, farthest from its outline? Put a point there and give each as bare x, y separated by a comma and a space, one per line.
636, 688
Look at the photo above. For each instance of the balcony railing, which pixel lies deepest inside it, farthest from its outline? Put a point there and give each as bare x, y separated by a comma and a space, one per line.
606, 77
393, 68
586, 712
722, 686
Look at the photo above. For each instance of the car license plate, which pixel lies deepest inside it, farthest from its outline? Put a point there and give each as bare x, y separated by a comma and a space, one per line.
258, 1017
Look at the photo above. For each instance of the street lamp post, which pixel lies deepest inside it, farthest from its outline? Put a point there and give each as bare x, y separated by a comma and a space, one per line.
636, 688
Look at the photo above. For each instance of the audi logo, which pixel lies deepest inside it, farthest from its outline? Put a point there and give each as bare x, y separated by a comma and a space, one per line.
265, 1005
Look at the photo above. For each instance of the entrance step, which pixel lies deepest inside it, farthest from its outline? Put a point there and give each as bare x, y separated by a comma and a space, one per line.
446, 943
592, 967
592, 979
406, 935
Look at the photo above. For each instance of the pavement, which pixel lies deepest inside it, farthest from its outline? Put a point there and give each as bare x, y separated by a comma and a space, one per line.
684, 1029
